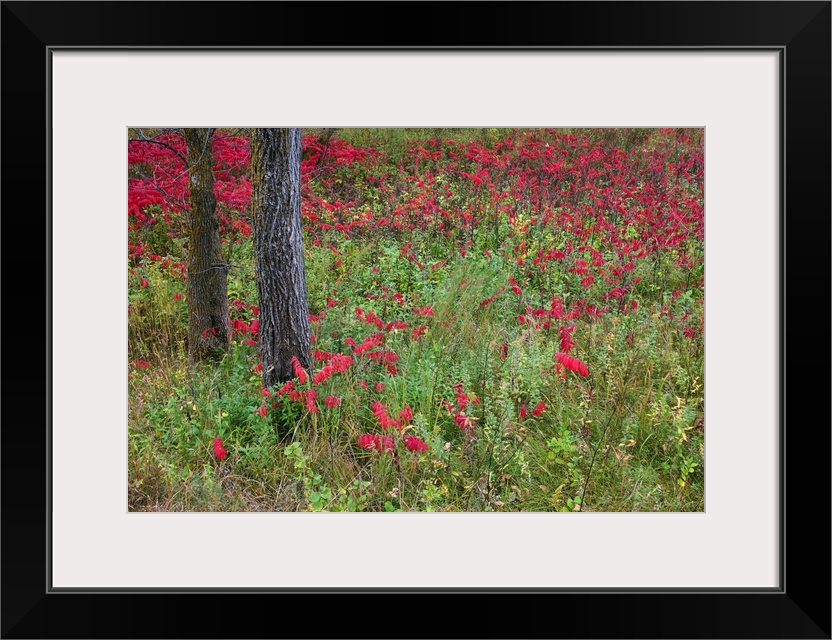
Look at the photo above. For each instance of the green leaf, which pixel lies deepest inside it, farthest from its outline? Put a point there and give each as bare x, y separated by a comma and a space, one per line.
388, 506
314, 497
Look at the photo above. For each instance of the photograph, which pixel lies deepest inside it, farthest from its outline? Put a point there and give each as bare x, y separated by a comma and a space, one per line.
475, 320
416, 309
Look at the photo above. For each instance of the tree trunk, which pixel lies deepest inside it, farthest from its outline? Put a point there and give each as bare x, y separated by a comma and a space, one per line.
208, 327
278, 250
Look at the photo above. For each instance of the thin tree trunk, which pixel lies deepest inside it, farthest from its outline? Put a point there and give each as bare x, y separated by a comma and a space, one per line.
208, 327
278, 249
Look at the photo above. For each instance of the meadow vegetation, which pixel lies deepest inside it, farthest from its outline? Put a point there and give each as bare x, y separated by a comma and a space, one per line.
502, 320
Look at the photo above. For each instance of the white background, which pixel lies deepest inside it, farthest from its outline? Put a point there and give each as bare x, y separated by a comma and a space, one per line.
98, 95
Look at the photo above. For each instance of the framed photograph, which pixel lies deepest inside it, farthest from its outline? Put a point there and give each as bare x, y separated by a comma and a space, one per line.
734, 96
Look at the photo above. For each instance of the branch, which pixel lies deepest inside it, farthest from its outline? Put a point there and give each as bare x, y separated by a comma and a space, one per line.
328, 133
163, 144
178, 202
226, 267
245, 131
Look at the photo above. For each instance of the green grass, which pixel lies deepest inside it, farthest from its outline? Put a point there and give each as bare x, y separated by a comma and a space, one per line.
637, 425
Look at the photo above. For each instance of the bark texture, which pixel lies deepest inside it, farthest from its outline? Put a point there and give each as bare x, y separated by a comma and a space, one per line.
278, 249
207, 291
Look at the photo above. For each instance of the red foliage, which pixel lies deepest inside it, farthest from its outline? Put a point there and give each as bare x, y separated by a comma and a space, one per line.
300, 372
376, 442
566, 342
311, 394
415, 444
406, 414
219, 450
572, 363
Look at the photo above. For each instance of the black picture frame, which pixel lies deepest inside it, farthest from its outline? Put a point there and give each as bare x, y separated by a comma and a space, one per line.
799, 608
